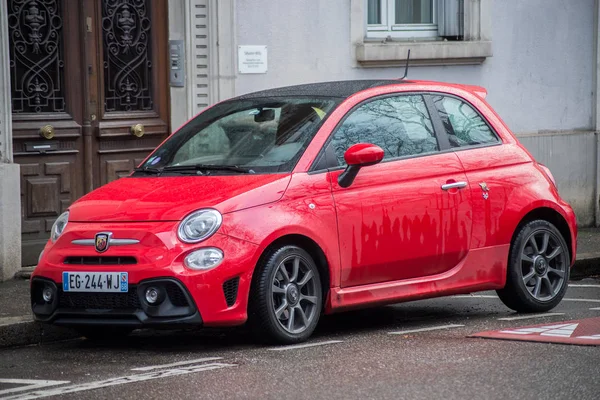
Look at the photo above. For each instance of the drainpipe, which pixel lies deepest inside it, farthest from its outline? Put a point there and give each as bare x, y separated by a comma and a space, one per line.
596, 110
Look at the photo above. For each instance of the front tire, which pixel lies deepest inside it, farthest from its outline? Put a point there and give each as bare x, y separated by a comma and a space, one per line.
538, 269
287, 296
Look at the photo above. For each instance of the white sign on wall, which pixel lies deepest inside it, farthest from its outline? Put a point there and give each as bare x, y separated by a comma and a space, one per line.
252, 59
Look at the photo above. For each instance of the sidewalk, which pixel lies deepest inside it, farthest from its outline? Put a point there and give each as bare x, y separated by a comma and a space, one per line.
588, 254
17, 327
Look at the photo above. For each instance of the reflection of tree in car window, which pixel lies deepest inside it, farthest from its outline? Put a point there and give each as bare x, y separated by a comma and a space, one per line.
462, 123
399, 125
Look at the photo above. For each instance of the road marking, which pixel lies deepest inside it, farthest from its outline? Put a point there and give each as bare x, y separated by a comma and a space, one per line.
302, 346
60, 391
592, 337
584, 285
562, 330
431, 328
531, 316
489, 296
177, 364
28, 384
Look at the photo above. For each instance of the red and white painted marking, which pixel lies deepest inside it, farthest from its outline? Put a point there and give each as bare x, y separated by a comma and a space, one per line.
581, 332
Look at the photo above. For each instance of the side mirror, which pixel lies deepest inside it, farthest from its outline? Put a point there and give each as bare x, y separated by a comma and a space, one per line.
358, 156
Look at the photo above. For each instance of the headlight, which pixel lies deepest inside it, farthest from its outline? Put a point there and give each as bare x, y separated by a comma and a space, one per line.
59, 226
199, 225
204, 259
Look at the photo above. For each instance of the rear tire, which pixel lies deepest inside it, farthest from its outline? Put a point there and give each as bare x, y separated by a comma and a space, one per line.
538, 269
286, 298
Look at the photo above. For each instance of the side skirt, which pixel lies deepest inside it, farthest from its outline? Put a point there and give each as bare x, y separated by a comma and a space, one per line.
482, 269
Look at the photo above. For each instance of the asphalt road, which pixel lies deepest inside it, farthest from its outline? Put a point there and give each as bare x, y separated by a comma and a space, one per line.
354, 357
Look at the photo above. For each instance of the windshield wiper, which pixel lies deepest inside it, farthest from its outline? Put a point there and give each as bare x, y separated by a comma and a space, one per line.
148, 170
207, 167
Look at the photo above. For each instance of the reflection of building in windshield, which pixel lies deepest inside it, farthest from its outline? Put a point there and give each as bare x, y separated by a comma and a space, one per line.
269, 135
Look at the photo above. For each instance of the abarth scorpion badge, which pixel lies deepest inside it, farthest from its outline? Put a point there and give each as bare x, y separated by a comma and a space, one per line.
485, 189
102, 241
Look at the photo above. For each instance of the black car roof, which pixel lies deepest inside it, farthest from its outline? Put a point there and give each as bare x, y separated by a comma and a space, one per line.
341, 89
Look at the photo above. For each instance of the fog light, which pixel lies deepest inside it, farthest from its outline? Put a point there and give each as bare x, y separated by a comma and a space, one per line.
152, 295
48, 294
204, 259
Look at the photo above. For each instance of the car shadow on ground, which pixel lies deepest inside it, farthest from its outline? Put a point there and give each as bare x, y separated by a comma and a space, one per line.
331, 327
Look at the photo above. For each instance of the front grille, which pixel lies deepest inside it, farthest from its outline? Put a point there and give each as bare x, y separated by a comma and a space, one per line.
176, 295
230, 289
100, 301
100, 260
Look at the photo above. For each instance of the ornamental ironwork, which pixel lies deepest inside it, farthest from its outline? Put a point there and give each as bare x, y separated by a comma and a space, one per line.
36, 56
127, 55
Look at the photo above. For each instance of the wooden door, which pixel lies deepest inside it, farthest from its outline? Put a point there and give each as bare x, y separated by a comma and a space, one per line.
83, 73
46, 68
129, 97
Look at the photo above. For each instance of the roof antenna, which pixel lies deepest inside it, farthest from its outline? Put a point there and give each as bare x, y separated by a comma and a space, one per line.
406, 68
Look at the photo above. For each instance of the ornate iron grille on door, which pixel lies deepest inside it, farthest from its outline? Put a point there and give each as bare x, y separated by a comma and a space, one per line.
36, 56
127, 58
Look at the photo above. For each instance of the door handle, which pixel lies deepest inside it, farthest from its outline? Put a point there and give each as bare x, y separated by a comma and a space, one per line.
454, 185
138, 130
47, 132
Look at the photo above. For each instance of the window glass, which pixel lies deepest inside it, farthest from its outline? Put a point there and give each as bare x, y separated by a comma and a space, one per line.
263, 135
463, 125
374, 12
399, 125
414, 11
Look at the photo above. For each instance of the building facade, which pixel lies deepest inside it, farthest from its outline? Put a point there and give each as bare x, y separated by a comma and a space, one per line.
89, 87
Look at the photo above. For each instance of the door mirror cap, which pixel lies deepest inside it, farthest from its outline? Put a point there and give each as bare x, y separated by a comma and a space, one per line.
358, 156
363, 154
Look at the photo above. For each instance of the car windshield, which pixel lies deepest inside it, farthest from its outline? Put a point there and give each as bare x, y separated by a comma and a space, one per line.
265, 135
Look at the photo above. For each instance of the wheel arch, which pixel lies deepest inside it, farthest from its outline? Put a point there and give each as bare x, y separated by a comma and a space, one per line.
310, 246
555, 218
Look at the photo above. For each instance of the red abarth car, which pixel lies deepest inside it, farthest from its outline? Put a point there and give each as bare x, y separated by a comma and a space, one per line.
278, 206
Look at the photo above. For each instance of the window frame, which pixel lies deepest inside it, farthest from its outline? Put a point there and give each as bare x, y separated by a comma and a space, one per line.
474, 48
325, 158
389, 27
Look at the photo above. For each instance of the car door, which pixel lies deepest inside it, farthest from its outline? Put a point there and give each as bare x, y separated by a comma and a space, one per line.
410, 215
493, 171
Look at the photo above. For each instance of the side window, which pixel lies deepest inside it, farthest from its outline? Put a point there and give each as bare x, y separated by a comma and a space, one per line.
463, 125
400, 125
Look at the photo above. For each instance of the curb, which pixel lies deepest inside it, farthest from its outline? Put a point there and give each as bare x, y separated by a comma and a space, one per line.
586, 265
23, 331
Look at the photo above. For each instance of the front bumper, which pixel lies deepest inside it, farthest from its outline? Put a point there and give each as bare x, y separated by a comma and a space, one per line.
218, 297
123, 309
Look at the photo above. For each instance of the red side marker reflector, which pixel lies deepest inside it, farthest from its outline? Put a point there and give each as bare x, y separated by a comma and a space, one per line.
580, 332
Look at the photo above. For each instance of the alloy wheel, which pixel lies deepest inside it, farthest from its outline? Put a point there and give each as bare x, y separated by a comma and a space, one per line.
543, 264
295, 296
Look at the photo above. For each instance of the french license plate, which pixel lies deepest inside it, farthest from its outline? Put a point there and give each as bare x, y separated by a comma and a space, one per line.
95, 282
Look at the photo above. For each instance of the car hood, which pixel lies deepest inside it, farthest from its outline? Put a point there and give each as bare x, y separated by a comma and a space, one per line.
172, 198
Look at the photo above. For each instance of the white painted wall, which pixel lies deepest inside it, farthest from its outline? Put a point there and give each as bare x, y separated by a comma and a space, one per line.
539, 78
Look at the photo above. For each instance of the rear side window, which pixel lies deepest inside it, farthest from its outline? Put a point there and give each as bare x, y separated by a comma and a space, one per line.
463, 124
400, 125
